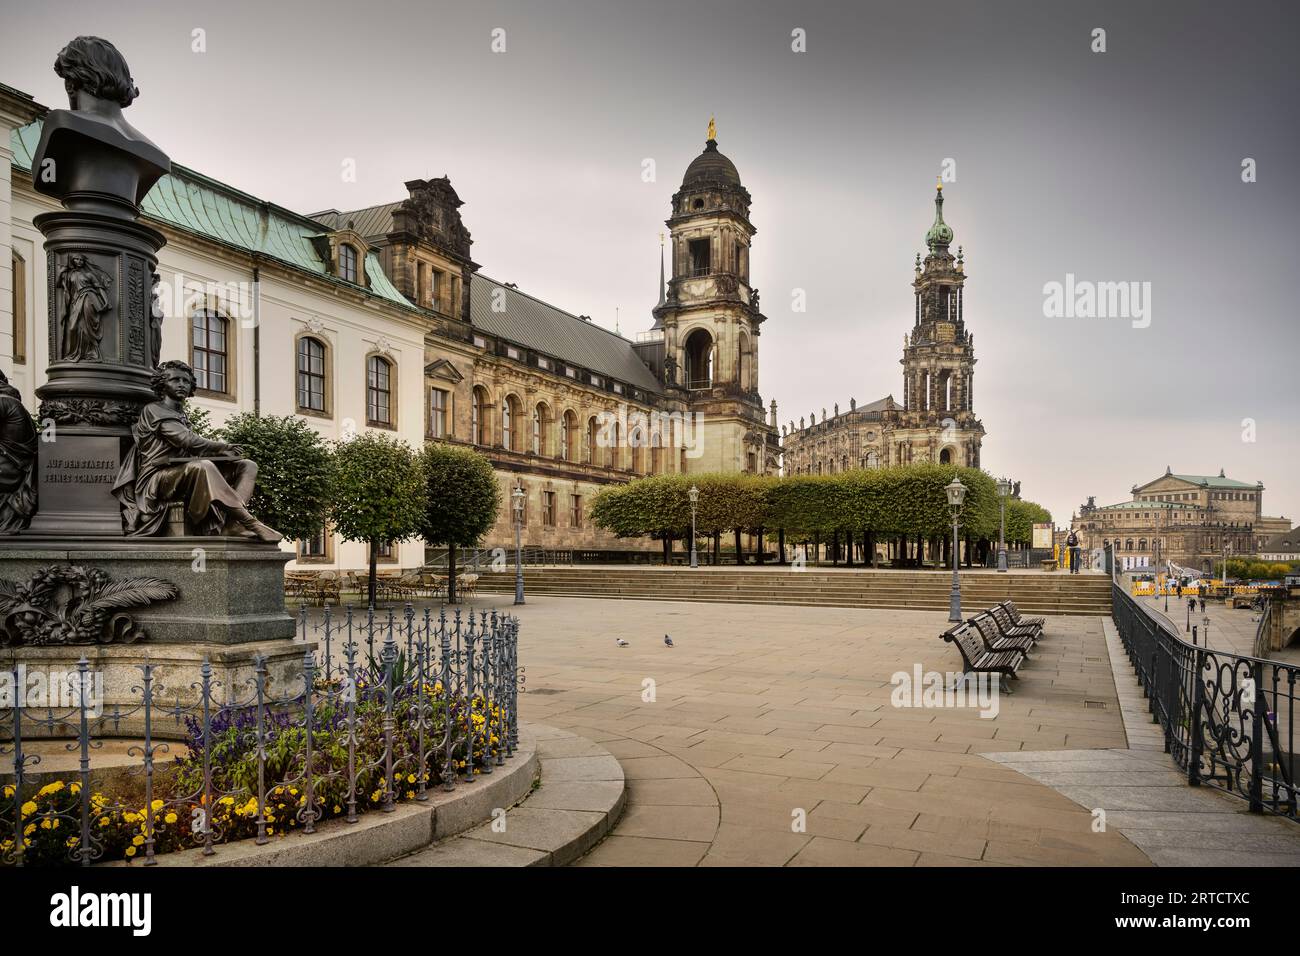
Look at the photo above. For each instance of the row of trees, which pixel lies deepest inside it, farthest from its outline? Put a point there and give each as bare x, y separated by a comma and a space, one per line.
371, 488
900, 502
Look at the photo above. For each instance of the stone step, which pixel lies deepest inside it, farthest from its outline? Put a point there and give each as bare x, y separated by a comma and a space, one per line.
581, 795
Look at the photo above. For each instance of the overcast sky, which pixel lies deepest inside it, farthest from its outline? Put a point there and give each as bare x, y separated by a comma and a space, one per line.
1122, 166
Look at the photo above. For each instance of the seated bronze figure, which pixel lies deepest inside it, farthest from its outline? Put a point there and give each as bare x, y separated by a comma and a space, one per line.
170, 463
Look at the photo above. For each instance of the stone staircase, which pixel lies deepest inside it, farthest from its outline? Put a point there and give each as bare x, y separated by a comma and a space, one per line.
1034, 592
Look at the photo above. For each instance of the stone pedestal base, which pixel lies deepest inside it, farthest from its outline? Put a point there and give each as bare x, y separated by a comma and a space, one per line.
117, 682
231, 590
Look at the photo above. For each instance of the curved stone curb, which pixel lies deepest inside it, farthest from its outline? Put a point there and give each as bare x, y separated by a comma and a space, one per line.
379, 836
581, 796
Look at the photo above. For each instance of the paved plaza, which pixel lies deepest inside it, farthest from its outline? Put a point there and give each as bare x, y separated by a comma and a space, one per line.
762, 712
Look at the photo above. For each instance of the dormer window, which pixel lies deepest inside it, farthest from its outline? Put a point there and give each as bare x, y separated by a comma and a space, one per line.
699, 204
347, 263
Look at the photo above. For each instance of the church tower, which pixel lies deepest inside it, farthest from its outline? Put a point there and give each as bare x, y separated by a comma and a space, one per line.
939, 356
710, 318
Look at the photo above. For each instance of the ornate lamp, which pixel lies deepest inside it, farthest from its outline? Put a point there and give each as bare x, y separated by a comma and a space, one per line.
956, 493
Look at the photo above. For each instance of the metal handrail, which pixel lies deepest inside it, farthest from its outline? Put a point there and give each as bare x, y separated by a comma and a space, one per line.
1217, 709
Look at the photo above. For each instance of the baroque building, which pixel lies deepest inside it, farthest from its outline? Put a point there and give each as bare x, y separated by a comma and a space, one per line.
1186, 519
936, 419
380, 319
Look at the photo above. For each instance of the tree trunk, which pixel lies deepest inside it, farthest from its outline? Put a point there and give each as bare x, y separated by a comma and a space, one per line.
717, 548
668, 550
758, 554
451, 574
780, 544
740, 554
374, 562
848, 549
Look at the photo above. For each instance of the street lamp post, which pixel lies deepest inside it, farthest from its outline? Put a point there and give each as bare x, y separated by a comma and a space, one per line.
1004, 492
1206, 633
956, 492
694, 494
517, 499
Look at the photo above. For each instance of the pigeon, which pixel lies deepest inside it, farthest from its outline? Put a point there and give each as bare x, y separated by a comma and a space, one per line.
668, 640
620, 642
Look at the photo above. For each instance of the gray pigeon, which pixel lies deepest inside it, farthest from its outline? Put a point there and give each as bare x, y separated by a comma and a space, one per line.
620, 642
668, 640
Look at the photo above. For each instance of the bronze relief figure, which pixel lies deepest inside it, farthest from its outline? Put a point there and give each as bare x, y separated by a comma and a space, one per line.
86, 290
17, 461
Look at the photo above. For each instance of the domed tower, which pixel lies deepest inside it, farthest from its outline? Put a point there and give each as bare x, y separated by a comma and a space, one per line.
710, 317
939, 357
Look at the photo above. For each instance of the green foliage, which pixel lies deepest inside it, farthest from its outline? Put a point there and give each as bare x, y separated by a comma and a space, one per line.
379, 489
294, 471
1247, 569
462, 495
908, 499
200, 420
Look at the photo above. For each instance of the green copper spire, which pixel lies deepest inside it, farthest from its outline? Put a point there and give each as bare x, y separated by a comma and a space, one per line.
940, 234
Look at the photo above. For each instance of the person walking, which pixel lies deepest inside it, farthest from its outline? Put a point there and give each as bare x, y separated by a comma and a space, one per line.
1072, 542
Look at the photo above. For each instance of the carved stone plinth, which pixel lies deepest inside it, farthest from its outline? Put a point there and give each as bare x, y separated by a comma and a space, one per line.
228, 591
116, 680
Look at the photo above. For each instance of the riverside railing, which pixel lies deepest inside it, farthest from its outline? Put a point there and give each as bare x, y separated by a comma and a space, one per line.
387, 708
1228, 719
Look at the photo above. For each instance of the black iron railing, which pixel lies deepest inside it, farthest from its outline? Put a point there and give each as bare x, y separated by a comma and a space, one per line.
386, 707
1228, 719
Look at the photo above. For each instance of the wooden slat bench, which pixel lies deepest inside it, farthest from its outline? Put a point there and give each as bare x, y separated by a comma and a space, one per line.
1009, 628
995, 640
977, 658
1019, 618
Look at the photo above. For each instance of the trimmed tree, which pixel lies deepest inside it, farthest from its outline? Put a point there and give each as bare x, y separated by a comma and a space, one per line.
294, 471
378, 495
462, 499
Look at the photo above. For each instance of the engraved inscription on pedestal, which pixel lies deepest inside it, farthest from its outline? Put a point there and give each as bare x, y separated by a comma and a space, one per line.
77, 472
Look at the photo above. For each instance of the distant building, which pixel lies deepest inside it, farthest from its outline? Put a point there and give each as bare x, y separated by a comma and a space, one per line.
936, 419
1282, 547
1186, 519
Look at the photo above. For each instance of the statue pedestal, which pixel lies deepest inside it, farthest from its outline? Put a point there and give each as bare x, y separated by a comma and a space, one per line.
116, 682
229, 610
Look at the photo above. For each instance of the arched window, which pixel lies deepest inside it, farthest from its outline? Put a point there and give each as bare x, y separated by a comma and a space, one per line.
873, 459
379, 391
479, 413
541, 428
945, 456
511, 439
209, 355
636, 441
589, 441
746, 359
615, 454
699, 359
311, 374
568, 435
348, 262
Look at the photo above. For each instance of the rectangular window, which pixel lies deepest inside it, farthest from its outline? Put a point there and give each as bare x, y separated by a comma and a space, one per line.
543, 362
208, 352
512, 352
19, 308
480, 342
439, 289
597, 381
548, 508
379, 407
575, 510
311, 374
699, 252
618, 388
385, 552
317, 546
348, 263
438, 404
570, 371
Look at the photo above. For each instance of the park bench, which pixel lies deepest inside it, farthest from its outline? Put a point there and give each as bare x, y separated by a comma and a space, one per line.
978, 659
1018, 618
1010, 628
995, 640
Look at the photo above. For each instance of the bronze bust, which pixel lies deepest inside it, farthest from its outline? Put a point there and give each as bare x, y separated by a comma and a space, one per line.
171, 463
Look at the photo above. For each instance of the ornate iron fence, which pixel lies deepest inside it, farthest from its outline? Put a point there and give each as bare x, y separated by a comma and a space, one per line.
387, 707
1229, 719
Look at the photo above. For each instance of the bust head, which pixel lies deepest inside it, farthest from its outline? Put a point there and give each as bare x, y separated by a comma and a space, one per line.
173, 379
95, 67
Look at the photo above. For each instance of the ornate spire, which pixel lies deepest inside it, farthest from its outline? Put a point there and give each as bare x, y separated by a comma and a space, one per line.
940, 234
662, 288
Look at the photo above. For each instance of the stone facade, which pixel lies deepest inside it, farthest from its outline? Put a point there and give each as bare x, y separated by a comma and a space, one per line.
380, 319
1186, 519
936, 420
